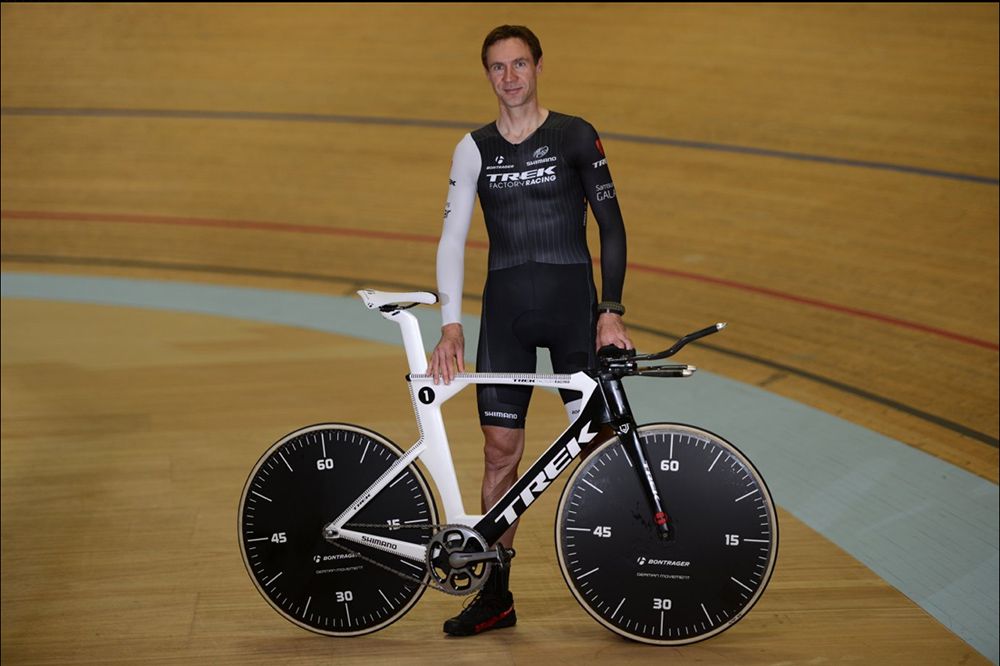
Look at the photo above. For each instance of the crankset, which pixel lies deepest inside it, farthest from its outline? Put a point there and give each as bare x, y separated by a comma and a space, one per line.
458, 560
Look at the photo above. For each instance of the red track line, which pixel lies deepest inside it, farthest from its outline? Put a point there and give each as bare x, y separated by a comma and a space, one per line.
422, 238
210, 222
820, 304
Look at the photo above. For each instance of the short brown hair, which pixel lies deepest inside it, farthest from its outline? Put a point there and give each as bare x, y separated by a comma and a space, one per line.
513, 32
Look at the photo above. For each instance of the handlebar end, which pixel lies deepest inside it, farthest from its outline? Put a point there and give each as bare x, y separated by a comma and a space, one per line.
721, 325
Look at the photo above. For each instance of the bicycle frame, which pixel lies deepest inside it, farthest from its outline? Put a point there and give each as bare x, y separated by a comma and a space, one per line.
434, 450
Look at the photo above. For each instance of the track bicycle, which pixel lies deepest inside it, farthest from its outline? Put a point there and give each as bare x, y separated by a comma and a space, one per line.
665, 533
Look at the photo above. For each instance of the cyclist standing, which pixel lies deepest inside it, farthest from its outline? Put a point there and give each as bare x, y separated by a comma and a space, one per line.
534, 171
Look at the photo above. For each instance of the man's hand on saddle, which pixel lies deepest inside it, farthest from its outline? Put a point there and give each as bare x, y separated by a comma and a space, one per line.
448, 355
611, 331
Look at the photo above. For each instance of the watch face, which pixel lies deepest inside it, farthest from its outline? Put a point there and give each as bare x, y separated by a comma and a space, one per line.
301, 484
676, 590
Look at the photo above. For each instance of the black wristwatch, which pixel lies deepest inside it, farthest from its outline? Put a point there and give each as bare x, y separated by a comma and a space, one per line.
612, 307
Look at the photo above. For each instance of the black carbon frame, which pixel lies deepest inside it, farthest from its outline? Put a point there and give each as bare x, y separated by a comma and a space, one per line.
559, 455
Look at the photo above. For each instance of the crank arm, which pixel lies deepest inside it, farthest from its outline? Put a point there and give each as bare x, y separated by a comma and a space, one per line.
501, 555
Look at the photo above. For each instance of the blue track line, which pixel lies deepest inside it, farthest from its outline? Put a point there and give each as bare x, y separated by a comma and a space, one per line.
926, 527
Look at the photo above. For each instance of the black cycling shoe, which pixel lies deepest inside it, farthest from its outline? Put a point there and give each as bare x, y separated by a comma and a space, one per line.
489, 610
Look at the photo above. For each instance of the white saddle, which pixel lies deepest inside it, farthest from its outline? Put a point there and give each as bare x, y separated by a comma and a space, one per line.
379, 299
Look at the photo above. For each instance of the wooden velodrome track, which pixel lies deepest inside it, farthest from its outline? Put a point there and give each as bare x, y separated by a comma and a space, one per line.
305, 147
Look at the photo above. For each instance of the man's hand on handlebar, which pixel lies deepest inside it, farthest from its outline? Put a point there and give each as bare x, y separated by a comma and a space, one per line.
611, 331
449, 354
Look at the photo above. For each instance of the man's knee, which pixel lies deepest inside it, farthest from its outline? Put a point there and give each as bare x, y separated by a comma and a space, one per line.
503, 447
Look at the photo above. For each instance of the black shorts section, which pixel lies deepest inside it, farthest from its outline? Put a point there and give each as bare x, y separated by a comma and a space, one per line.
525, 307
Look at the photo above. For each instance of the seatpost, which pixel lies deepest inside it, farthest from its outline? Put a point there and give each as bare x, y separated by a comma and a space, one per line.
624, 424
413, 341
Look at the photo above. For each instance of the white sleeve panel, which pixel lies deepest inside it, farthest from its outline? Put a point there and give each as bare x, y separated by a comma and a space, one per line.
465, 166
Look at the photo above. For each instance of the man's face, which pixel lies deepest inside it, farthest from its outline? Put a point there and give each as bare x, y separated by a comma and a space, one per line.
512, 72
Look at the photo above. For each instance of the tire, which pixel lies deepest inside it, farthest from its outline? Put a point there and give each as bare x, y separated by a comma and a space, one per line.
698, 583
304, 481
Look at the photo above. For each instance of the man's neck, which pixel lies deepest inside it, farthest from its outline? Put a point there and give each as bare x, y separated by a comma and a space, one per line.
518, 123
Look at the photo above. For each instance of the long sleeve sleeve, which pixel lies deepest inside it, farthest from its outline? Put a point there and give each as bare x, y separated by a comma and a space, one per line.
465, 166
599, 189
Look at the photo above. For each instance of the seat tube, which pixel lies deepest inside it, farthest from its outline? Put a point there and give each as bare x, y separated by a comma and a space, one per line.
623, 422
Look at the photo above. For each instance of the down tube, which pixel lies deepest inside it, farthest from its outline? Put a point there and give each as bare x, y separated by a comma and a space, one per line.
543, 471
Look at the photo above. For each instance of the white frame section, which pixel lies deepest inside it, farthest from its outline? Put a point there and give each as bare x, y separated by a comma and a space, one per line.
433, 448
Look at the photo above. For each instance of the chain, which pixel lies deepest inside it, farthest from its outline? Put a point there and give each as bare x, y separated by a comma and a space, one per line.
402, 574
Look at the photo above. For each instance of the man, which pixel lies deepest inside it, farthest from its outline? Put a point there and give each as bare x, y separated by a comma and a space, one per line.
534, 171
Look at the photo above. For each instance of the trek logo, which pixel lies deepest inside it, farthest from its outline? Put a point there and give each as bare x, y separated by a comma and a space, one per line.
361, 502
600, 163
541, 481
523, 178
379, 543
524, 175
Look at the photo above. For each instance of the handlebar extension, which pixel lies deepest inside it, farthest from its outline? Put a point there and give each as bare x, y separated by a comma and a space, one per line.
626, 360
690, 337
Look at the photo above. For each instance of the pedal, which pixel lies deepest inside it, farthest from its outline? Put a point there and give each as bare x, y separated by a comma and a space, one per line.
504, 555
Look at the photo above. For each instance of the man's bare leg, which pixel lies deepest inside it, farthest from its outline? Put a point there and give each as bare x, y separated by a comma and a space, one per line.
503, 450
493, 608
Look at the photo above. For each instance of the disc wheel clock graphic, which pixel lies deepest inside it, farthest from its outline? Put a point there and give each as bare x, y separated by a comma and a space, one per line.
303, 482
691, 586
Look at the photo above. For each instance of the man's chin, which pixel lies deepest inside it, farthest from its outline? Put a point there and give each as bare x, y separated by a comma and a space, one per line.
514, 101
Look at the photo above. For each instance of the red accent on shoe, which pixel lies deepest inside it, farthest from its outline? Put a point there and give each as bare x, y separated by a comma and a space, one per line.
483, 626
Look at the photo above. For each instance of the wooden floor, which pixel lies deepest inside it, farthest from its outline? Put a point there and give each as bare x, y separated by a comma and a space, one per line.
864, 284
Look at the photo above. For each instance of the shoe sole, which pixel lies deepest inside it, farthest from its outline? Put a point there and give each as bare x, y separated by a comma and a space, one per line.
502, 621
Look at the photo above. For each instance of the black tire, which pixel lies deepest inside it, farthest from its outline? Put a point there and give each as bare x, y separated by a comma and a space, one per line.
702, 580
304, 481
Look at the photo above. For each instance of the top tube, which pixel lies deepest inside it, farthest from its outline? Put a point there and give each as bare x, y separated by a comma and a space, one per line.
502, 377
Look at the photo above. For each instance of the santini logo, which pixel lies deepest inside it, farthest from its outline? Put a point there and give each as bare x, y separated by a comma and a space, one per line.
559, 461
